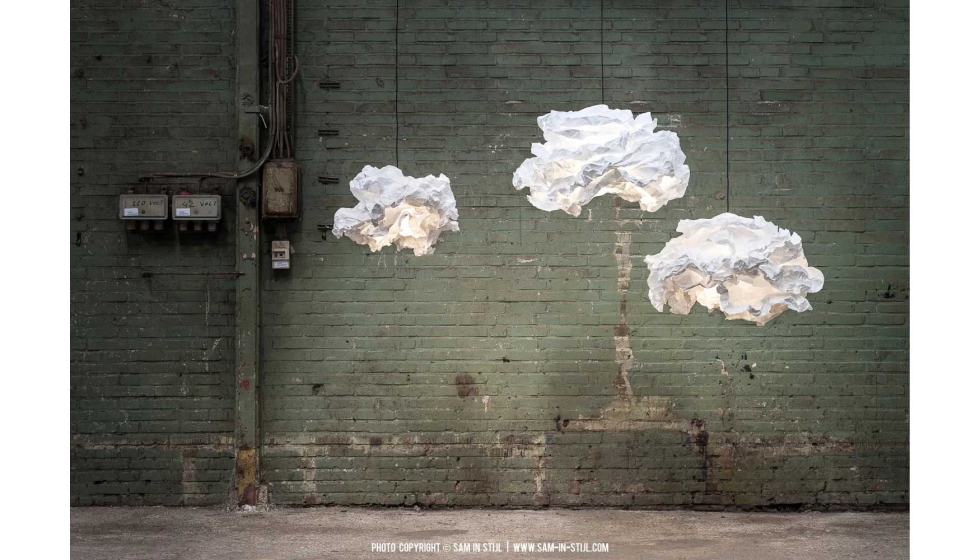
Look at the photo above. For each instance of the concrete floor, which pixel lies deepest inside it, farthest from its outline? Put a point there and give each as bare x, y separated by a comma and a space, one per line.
165, 533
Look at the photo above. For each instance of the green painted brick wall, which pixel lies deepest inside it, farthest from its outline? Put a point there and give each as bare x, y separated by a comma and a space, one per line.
522, 364
488, 373
152, 372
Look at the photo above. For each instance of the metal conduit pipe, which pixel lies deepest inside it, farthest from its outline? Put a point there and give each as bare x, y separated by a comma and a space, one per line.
273, 120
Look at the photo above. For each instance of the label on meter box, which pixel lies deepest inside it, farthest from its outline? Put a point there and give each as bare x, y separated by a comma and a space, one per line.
204, 207
143, 206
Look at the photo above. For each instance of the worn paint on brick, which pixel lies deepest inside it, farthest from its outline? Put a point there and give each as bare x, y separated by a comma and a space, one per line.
247, 476
624, 352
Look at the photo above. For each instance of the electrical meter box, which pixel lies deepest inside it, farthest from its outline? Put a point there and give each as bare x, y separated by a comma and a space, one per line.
143, 207
196, 207
280, 190
280, 255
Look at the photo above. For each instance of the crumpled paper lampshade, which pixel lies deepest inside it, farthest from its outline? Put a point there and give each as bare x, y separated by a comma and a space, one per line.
599, 151
746, 267
397, 209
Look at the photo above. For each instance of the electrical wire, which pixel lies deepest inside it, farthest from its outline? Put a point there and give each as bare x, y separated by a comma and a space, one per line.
397, 25
278, 136
728, 132
279, 30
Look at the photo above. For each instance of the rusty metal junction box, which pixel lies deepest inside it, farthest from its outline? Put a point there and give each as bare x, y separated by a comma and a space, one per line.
280, 190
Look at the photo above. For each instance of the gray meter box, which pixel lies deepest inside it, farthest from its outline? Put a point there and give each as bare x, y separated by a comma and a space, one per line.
143, 207
196, 207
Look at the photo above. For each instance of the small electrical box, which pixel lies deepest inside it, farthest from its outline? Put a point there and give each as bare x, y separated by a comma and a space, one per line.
197, 207
143, 207
280, 255
280, 190
143, 210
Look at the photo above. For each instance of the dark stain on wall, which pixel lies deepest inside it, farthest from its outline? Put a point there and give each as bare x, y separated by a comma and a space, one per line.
465, 386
